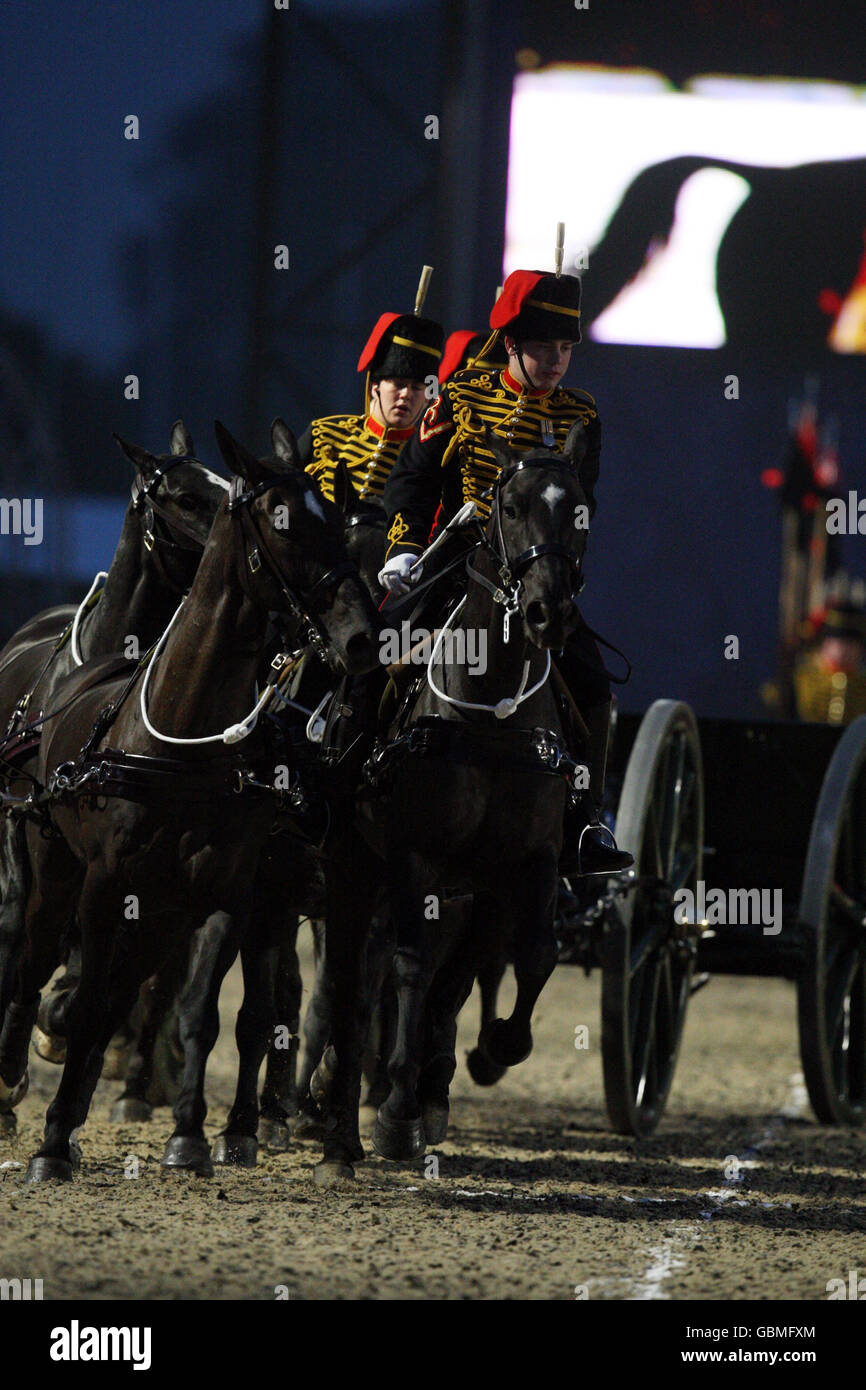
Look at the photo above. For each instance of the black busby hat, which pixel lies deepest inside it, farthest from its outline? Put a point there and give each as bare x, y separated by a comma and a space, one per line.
537, 305
403, 345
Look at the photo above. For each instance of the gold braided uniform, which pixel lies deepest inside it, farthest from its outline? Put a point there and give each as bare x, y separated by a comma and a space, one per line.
826, 695
448, 459
368, 449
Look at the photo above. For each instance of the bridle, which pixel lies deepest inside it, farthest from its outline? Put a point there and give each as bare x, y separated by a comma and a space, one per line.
144, 500
511, 572
257, 554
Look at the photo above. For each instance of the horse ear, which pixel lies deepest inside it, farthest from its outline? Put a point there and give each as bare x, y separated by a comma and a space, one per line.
575, 446
239, 459
181, 439
145, 462
344, 488
284, 444
497, 446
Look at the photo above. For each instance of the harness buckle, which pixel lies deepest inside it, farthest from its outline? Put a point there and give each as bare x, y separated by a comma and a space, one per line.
237, 780
149, 539
255, 561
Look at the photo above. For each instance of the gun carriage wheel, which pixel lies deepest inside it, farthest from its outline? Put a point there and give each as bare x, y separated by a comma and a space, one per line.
831, 988
647, 957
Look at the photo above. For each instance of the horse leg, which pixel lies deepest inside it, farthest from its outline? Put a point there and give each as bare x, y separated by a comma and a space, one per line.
155, 1005
279, 1101
483, 1071
14, 888
530, 906
45, 922
487, 927
451, 987
237, 1144
399, 1129
383, 1025
215, 947
317, 1032
93, 1014
351, 890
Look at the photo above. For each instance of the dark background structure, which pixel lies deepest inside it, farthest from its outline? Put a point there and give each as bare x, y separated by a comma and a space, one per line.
306, 127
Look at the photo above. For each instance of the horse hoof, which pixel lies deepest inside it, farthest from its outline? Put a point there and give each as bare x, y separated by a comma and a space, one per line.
482, 1070
49, 1046
323, 1078
130, 1109
435, 1121
8, 1122
236, 1150
275, 1135
191, 1155
329, 1173
49, 1170
307, 1127
10, 1096
504, 1046
398, 1139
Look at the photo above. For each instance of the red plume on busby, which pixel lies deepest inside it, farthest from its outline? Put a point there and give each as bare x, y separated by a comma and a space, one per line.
465, 348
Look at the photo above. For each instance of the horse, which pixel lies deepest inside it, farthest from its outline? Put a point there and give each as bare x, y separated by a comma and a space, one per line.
272, 981
173, 503
163, 843
468, 790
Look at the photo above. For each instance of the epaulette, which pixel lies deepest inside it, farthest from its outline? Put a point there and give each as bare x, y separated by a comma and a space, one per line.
472, 376
336, 420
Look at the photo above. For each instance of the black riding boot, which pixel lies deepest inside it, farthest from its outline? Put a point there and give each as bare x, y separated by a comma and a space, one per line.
588, 846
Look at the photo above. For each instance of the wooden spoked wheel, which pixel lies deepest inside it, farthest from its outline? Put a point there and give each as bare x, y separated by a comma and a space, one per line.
831, 989
647, 957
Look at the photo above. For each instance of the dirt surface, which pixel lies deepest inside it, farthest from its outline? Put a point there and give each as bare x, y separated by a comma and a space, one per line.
739, 1194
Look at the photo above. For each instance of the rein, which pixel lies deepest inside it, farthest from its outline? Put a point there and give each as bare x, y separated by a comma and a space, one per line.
240, 501
511, 573
256, 550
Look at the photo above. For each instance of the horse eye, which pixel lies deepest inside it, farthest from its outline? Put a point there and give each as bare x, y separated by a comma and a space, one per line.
509, 511
187, 504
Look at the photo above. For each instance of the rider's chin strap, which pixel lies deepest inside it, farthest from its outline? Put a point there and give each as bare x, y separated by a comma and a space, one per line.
527, 378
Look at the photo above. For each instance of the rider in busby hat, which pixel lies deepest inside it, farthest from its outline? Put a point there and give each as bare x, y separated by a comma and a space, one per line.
466, 348
536, 319
401, 360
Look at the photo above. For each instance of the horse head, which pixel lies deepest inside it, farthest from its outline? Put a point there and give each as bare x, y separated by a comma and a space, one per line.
537, 531
176, 497
295, 559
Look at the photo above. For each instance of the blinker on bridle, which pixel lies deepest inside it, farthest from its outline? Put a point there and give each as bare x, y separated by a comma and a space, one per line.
240, 503
144, 499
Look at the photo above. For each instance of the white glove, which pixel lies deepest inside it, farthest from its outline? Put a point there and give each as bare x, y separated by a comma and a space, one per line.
395, 576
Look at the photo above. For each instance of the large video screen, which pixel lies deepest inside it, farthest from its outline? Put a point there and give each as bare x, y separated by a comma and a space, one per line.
729, 212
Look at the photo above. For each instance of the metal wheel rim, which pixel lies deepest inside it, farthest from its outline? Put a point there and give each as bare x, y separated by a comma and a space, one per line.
831, 990
661, 823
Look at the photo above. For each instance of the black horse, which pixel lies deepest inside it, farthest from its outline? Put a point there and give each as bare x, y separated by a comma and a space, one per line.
288, 885
175, 840
174, 501
468, 792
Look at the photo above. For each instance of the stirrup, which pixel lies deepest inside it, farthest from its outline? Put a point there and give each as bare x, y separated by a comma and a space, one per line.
620, 860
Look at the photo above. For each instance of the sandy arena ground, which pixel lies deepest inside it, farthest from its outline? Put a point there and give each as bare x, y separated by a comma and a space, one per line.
739, 1194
